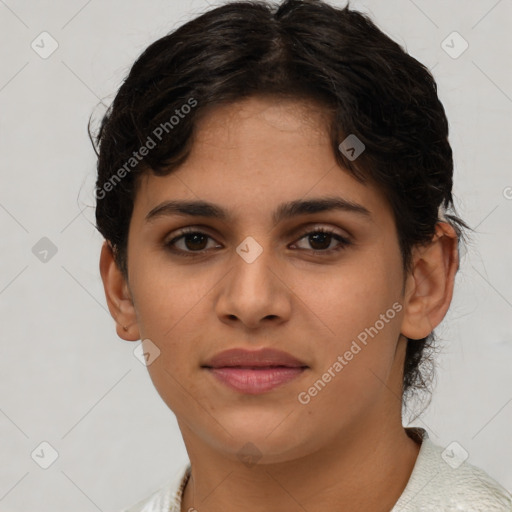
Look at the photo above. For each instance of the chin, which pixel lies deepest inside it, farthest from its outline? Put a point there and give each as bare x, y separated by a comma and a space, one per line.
265, 442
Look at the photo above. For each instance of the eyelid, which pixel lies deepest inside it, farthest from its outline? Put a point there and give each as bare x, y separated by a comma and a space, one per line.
304, 230
296, 232
186, 231
344, 240
180, 233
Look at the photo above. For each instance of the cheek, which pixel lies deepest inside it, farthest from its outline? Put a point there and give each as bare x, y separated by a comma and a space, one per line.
175, 373
345, 299
167, 296
356, 311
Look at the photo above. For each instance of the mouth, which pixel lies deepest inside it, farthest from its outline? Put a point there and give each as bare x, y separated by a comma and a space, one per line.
254, 380
255, 366
254, 371
241, 357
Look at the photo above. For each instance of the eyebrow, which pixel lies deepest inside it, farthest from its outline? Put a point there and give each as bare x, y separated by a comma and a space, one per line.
283, 212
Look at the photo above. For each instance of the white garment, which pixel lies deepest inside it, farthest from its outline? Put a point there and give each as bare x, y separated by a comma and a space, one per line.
434, 486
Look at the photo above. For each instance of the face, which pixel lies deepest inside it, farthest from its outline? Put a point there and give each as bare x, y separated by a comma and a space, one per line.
252, 279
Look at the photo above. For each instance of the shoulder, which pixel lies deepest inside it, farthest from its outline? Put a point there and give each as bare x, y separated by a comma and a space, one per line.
442, 480
167, 498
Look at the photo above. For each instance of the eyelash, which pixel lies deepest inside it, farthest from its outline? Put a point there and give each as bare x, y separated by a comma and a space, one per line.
344, 242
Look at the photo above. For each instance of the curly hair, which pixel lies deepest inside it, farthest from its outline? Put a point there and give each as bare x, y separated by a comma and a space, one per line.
304, 50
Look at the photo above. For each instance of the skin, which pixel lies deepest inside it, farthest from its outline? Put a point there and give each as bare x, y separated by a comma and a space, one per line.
250, 157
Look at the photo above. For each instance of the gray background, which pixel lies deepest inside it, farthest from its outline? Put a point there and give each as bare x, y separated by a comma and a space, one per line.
67, 378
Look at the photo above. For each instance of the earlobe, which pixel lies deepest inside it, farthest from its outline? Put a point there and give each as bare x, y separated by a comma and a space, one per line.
117, 293
429, 286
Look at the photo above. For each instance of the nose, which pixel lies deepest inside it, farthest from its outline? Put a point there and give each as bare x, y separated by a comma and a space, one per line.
254, 292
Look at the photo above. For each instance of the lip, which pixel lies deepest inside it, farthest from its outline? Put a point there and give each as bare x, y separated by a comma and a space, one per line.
254, 371
254, 381
242, 358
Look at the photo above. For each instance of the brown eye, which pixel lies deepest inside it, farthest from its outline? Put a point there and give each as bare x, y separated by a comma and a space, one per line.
195, 241
192, 243
320, 240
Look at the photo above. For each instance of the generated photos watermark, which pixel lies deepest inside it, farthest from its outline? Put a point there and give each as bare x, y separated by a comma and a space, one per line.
137, 156
304, 397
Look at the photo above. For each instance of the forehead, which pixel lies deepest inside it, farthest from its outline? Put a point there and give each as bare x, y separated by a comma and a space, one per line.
253, 155
306, 117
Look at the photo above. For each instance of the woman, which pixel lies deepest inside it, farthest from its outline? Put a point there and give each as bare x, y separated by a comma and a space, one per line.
274, 190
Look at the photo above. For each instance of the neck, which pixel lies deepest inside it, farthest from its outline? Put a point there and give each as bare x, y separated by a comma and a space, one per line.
363, 472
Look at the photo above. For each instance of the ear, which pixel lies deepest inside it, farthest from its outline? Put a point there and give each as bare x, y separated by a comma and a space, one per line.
429, 286
118, 296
